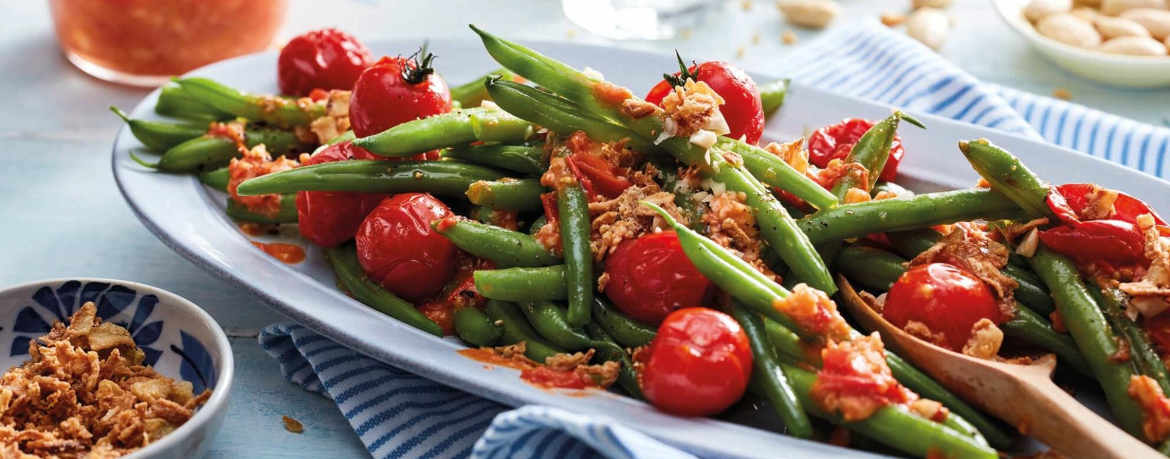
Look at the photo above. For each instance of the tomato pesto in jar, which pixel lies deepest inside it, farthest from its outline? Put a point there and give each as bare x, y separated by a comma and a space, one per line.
119, 40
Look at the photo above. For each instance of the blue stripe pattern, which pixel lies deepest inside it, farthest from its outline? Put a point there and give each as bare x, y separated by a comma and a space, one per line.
397, 414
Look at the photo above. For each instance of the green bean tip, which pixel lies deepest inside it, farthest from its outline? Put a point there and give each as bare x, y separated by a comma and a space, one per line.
910, 119
142, 162
121, 114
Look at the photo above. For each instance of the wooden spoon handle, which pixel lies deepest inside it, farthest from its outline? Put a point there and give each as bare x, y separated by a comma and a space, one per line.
1058, 420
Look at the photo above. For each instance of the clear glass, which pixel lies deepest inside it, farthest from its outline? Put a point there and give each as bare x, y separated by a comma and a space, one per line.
638, 19
145, 42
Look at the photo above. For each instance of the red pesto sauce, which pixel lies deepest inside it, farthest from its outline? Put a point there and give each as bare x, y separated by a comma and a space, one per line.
536, 375
287, 253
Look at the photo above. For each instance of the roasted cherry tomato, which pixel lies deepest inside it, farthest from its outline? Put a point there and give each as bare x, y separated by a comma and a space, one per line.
596, 176
398, 249
328, 218
944, 298
1125, 208
698, 365
742, 108
834, 142
1106, 240
396, 90
321, 59
650, 277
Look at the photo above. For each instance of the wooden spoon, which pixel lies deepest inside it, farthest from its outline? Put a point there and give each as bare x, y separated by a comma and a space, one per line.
1022, 395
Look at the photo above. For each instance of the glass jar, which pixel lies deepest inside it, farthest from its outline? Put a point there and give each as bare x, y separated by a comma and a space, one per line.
145, 42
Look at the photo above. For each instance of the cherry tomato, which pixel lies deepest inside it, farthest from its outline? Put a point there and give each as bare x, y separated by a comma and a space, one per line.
1075, 196
398, 249
834, 142
1107, 240
742, 108
328, 218
396, 90
650, 277
944, 298
698, 365
321, 59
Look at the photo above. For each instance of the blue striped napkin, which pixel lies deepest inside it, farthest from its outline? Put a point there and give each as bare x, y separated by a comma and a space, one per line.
398, 414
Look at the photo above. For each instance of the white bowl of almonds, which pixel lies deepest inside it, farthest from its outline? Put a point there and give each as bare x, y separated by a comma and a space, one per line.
1116, 42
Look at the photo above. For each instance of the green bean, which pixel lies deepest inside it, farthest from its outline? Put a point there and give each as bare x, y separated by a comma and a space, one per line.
919, 382
871, 152
1030, 292
208, 152
755, 291
878, 269
343, 137
446, 178
345, 263
732, 274
551, 321
770, 376
476, 328
505, 247
522, 284
772, 95
1028, 326
897, 214
573, 208
446, 130
1009, 176
788, 344
537, 225
158, 136
772, 170
1140, 349
270, 109
611, 352
895, 426
522, 159
683, 196
562, 116
892, 188
216, 178
506, 194
517, 330
1164, 448
173, 101
624, 329
776, 226
287, 212
1094, 336
473, 93
500, 126
873, 268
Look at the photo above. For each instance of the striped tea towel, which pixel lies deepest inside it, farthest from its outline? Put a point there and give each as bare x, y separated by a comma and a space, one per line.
398, 414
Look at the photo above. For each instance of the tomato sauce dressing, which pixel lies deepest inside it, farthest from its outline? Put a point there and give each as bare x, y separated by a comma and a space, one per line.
287, 253
256, 229
490, 357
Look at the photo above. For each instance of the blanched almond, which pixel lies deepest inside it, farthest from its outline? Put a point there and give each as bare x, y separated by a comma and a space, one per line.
1069, 29
1134, 46
1111, 27
814, 14
930, 26
1037, 9
1157, 21
1115, 7
1087, 13
931, 3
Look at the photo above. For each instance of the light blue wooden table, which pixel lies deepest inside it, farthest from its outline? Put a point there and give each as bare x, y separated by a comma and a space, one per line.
62, 215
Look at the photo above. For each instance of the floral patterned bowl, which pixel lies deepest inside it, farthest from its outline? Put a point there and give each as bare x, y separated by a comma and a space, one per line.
179, 339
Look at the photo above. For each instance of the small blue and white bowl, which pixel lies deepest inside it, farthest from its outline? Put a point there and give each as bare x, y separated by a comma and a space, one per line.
180, 340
